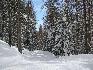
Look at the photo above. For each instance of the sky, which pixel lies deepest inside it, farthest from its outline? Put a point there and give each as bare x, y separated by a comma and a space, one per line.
40, 13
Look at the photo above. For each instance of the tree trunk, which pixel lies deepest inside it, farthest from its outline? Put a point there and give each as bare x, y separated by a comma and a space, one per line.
19, 28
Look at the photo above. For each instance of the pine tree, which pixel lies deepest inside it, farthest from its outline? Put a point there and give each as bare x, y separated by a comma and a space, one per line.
15, 22
45, 36
54, 28
50, 21
91, 25
4, 24
83, 26
30, 34
1, 24
40, 36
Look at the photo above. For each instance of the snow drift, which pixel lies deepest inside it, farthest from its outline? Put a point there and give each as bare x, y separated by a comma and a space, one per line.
5, 50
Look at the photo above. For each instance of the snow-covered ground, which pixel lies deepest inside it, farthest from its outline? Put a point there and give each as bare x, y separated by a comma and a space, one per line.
11, 59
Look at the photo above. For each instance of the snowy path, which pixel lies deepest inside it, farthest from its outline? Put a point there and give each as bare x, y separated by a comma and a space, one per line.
10, 59
46, 65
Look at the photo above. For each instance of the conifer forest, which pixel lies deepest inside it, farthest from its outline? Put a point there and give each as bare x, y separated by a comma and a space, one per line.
67, 26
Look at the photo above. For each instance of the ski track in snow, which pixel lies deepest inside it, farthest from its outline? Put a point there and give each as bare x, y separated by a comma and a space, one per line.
10, 59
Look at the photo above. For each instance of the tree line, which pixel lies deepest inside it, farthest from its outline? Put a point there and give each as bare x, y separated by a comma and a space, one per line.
67, 28
17, 23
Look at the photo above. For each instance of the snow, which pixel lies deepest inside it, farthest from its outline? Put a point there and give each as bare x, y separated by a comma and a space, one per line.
11, 59
38, 55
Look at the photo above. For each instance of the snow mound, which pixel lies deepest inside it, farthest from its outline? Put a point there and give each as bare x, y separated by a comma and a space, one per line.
6, 50
38, 55
2, 43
